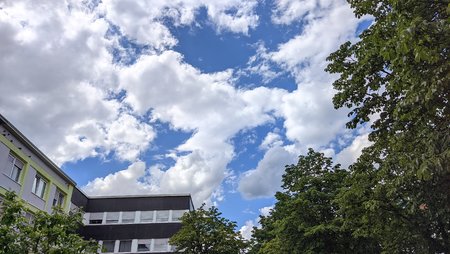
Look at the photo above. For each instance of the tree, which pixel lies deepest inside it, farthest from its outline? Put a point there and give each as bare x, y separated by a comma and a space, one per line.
206, 232
304, 218
14, 229
54, 233
398, 76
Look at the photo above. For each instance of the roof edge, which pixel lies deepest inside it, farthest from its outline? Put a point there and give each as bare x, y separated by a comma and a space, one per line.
140, 196
34, 149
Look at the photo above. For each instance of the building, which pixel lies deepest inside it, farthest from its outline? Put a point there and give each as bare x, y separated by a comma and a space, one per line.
27, 171
121, 224
132, 224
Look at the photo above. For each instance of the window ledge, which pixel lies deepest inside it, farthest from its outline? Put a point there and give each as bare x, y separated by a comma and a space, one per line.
12, 179
34, 194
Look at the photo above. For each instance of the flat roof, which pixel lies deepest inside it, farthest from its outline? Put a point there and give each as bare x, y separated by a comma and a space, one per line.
139, 196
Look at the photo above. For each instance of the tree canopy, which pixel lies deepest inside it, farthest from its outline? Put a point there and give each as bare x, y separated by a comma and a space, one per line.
204, 231
397, 78
54, 233
305, 217
396, 197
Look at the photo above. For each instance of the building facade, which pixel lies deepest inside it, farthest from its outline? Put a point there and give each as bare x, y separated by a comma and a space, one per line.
27, 171
132, 224
121, 224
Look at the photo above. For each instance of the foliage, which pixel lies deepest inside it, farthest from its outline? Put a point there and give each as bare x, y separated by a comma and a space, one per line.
304, 218
205, 231
398, 76
54, 233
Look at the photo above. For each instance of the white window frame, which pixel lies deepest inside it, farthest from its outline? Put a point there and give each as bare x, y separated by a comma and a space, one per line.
59, 198
15, 171
146, 242
125, 251
39, 186
159, 219
147, 212
114, 246
166, 245
131, 219
108, 219
174, 212
97, 217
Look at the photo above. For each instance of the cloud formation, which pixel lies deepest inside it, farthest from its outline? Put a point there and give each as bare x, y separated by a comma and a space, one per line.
66, 92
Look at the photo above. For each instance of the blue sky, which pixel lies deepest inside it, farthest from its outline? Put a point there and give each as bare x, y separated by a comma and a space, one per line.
211, 98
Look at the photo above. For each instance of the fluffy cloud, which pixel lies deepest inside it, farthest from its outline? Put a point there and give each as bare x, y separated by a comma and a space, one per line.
272, 139
288, 11
164, 85
124, 182
310, 119
143, 20
56, 72
269, 171
246, 229
64, 91
349, 154
63, 87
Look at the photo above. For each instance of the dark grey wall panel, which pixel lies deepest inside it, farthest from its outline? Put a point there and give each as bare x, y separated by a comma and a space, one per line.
138, 203
79, 199
131, 231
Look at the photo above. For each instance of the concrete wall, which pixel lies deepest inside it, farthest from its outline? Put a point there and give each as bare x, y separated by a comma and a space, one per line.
32, 156
33, 165
5, 181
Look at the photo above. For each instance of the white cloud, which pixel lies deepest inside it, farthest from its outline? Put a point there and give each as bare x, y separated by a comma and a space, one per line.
60, 83
166, 86
142, 20
235, 16
246, 230
265, 211
128, 137
269, 172
310, 119
124, 182
350, 154
272, 139
287, 11
58, 73
207, 104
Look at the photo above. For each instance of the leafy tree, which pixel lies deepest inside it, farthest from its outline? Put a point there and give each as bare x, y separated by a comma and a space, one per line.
304, 218
204, 231
54, 233
14, 229
398, 76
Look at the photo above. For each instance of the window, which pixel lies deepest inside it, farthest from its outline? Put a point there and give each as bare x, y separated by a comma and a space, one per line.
176, 214
39, 186
161, 244
108, 246
147, 216
95, 218
144, 245
15, 166
112, 217
125, 246
162, 216
128, 217
58, 200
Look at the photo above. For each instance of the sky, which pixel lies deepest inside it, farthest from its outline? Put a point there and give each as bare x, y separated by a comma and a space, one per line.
211, 98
